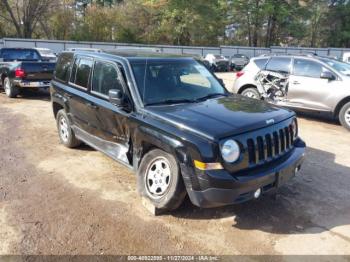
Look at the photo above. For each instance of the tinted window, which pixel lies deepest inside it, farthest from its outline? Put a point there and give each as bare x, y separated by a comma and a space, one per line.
83, 72
307, 68
105, 77
74, 71
62, 66
279, 64
260, 62
20, 54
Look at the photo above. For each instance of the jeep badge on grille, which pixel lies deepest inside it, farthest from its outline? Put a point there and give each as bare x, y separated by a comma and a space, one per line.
270, 121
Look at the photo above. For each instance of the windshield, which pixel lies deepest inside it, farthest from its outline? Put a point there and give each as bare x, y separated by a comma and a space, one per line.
341, 67
169, 81
20, 54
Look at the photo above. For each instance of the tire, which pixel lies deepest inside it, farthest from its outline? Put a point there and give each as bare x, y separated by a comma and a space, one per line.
152, 180
251, 92
65, 131
344, 116
10, 90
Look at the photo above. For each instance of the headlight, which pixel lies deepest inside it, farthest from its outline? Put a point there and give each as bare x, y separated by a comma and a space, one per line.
230, 151
295, 128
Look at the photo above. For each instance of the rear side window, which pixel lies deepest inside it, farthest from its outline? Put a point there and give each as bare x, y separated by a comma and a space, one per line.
105, 77
260, 62
62, 66
279, 64
83, 72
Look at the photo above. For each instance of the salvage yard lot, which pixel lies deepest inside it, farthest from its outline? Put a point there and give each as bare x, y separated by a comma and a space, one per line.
55, 200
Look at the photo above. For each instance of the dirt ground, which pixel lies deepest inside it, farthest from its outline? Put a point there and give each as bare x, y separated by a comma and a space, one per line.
55, 200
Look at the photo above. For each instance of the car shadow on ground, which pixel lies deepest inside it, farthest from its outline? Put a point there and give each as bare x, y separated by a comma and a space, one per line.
31, 95
317, 199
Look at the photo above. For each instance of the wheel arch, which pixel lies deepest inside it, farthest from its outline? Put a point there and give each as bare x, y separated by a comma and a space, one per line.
147, 139
244, 87
340, 105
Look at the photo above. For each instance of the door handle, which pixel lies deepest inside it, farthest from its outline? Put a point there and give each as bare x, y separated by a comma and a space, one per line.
91, 105
296, 83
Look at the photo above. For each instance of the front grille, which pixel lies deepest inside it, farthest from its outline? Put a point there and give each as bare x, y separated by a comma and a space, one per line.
269, 146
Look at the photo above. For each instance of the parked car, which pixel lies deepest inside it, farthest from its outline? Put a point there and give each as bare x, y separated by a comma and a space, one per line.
24, 68
94, 50
218, 63
47, 54
316, 84
170, 120
346, 57
238, 61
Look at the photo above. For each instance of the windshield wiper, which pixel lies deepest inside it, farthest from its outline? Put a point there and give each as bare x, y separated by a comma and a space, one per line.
171, 101
210, 96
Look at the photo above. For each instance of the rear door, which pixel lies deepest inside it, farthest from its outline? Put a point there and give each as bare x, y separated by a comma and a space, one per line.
82, 110
306, 87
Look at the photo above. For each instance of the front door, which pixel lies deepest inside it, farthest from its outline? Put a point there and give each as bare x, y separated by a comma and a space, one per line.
113, 128
306, 87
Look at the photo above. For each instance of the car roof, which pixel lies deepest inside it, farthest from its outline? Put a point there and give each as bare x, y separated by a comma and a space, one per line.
134, 55
308, 56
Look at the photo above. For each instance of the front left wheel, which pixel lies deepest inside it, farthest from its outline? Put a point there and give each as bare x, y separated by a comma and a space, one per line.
159, 179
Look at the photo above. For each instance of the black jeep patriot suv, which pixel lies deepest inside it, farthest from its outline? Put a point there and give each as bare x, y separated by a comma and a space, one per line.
171, 120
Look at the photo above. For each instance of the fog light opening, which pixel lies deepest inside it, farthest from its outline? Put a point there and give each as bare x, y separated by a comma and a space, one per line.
257, 193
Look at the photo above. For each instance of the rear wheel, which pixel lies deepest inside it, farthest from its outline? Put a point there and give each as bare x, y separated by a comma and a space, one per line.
65, 131
10, 90
251, 92
344, 116
159, 179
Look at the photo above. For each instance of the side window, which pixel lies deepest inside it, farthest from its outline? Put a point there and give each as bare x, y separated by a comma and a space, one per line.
74, 70
279, 64
62, 66
260, 62
105, 77
303, 67
83, 72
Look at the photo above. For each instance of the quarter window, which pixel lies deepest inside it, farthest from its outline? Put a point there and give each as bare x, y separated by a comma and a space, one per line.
62, 67
307, 68
279, 64
260, 62
83, 72
105, 77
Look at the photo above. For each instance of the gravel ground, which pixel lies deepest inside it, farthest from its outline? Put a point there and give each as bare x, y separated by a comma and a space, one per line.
55, 200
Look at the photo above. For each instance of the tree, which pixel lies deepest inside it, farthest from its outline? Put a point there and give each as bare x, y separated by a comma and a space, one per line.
25, 15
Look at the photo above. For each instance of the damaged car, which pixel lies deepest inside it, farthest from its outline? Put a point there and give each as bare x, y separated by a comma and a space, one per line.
171, 120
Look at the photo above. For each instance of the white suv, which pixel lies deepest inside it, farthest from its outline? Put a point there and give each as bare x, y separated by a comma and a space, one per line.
315, 83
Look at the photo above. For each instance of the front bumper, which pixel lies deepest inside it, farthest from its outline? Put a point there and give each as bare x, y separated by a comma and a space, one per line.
219, 188
32, 84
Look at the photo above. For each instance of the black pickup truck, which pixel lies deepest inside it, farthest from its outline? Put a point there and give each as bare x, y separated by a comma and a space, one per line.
24, 68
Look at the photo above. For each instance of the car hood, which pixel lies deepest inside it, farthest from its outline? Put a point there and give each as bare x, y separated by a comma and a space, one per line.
221, 117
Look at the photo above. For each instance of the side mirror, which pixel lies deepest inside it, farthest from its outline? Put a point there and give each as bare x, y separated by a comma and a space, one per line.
116, 97
327, 75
